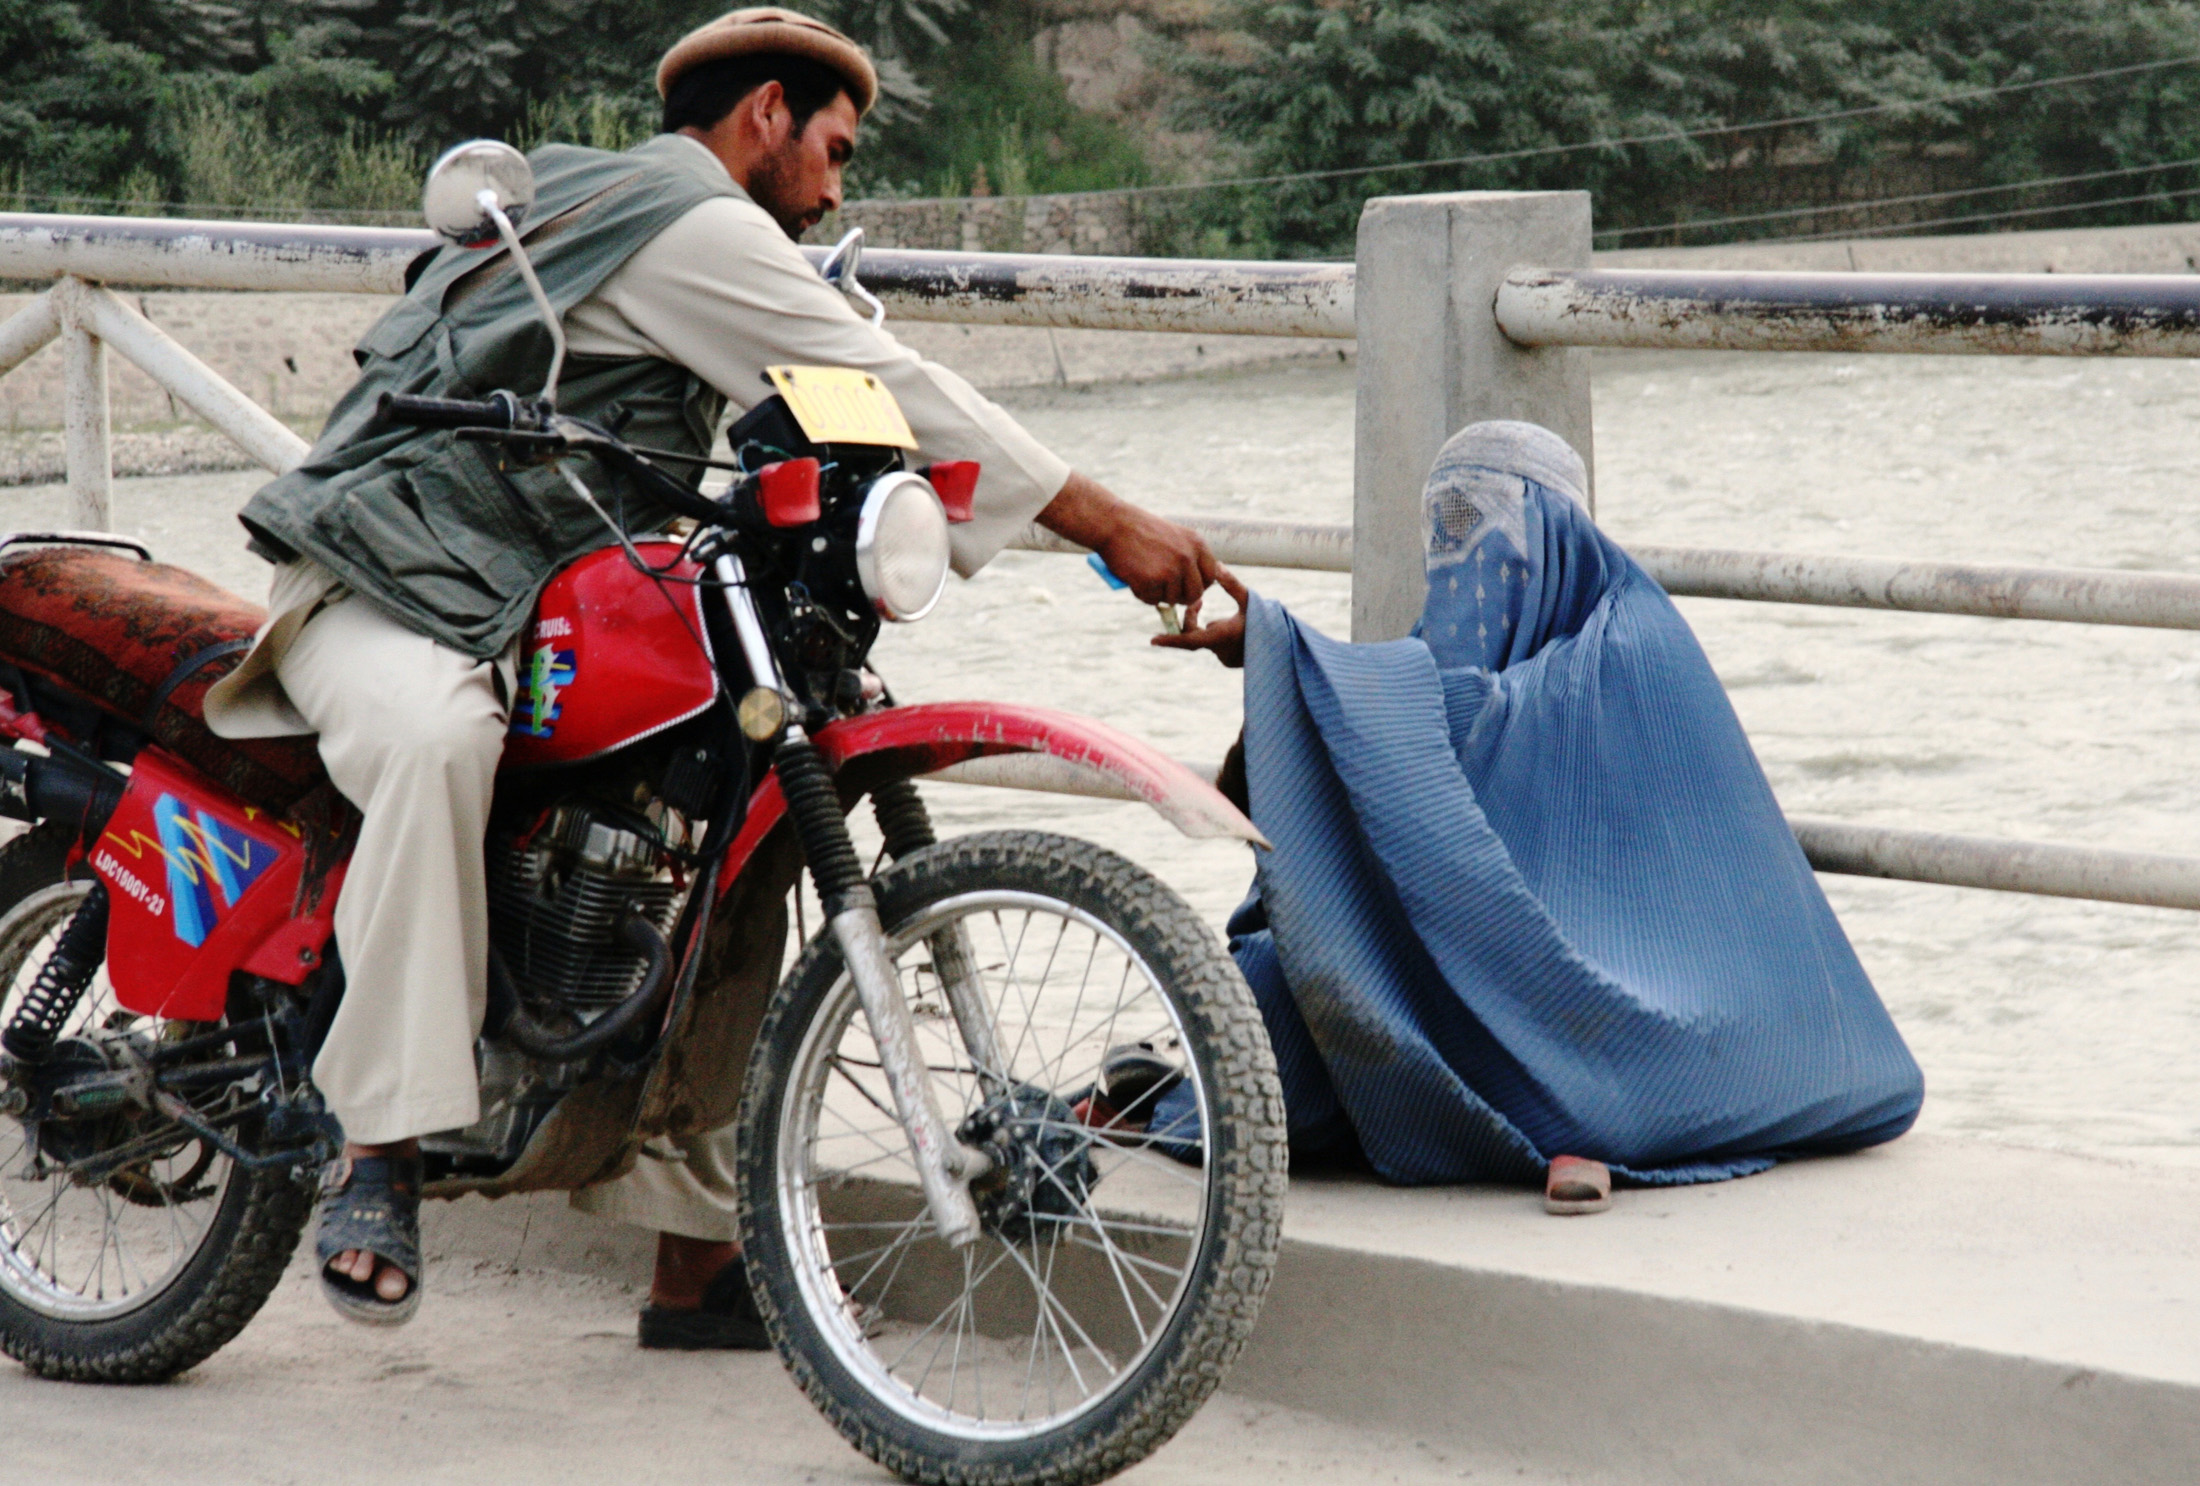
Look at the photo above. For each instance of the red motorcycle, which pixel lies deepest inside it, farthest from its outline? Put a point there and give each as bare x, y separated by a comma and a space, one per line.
1010, 1138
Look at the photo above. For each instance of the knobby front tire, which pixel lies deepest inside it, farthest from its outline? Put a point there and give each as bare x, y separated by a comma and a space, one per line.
1123, 1260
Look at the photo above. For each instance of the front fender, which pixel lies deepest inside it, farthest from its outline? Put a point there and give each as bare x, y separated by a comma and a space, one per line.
1089, 758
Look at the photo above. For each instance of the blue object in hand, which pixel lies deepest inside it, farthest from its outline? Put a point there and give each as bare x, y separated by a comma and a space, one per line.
1099, 565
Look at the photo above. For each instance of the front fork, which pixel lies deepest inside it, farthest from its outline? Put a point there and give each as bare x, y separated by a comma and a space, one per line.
945, 1167
907, 828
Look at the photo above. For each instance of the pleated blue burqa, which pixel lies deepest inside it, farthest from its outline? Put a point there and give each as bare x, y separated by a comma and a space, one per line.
1531, 894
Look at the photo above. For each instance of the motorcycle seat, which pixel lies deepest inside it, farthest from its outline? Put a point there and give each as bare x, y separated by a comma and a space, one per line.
121, 633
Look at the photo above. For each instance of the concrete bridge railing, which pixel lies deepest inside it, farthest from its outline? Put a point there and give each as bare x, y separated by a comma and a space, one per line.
1467, 306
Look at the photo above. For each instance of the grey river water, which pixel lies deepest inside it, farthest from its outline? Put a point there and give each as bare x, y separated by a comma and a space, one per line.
2038, 1021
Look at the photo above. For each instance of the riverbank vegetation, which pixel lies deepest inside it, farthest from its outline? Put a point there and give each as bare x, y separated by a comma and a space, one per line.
1930, 115
1933, 111
331, 108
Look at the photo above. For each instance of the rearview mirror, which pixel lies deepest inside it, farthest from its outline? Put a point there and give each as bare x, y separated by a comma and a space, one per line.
845, 258
454, 201
839, 270
476, 195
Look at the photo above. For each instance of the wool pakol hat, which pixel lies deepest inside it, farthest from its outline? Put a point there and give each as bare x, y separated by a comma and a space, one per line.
762, 29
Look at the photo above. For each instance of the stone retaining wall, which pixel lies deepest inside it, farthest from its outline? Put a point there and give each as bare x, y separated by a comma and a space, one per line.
1097, 224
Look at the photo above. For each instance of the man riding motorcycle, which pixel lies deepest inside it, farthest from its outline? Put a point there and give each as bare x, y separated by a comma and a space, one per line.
404, 580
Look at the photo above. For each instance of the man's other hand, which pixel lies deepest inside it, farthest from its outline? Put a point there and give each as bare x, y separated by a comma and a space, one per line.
1224, 637
1163, 563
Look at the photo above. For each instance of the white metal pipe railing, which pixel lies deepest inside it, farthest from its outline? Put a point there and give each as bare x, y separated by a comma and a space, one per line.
1989, 591
27, 332
2147, 878
2042, 314
1912, 313
195, 384
86, 435
1203, 296
1238, 543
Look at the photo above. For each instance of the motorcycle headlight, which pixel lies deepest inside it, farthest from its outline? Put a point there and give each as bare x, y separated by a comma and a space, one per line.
901, 547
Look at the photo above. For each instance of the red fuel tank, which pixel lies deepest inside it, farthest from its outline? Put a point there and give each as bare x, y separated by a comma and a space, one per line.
613, 655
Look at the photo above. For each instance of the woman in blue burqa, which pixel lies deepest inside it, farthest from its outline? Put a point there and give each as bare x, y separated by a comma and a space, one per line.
1530, 893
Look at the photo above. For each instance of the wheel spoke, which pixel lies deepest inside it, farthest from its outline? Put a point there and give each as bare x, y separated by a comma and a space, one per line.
939, 1335
87, 1250
1058, 1312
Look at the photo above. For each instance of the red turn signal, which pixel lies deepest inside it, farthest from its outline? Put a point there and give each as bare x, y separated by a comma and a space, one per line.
957, 482
788, 492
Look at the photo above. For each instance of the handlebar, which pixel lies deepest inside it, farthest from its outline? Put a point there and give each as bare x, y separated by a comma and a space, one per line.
504, 418
500, 411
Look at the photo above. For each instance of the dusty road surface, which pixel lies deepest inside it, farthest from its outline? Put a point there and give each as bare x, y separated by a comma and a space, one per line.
522, 1367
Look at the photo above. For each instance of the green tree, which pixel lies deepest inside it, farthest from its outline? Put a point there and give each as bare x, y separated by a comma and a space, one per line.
1344, 85
72, 103
183, 34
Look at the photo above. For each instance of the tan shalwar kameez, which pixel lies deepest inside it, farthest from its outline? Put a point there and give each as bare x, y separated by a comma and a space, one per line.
411, 731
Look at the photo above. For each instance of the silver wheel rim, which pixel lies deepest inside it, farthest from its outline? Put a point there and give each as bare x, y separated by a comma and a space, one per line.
90, 1252
1003, 1341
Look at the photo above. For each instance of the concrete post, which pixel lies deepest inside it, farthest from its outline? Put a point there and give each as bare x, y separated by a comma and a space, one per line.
1432, 360
88, 446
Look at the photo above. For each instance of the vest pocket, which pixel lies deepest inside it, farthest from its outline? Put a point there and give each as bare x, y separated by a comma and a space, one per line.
399, 329
450, 544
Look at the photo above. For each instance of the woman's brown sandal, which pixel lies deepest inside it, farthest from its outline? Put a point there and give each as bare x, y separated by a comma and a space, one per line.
1577, 1185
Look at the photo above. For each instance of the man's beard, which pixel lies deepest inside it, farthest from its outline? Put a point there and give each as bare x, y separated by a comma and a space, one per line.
773, 186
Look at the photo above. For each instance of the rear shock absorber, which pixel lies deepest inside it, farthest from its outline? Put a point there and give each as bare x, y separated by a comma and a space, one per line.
31, 1032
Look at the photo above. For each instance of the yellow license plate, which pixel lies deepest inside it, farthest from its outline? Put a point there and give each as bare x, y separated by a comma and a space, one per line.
840, 405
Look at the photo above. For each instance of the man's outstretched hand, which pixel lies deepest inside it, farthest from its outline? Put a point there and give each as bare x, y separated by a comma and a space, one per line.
1224, 637
1162, 563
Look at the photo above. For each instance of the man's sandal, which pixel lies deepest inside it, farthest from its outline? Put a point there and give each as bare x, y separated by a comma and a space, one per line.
371, 1203
726, 1321
1135, 1076
1577, 1185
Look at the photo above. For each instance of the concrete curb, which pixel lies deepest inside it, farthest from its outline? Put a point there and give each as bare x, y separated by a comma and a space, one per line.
1622, 1385
1832, 1322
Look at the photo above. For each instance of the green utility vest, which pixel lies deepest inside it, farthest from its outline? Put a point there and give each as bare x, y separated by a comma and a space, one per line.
436, 530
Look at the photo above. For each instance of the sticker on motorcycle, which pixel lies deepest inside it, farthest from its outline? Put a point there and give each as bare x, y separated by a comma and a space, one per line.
210, 865
549, 672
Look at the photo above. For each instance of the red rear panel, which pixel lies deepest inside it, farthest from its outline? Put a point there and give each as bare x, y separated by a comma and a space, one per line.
613, 656
198, 886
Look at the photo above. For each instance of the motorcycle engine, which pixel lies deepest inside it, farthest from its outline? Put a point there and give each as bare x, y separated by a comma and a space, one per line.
558, 888
557, 892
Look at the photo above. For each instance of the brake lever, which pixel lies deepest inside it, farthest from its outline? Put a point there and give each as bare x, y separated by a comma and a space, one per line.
546, 443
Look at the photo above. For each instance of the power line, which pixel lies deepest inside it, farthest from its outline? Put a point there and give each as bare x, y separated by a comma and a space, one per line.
2003, 216
1962, 95
1342, 173
1882, 201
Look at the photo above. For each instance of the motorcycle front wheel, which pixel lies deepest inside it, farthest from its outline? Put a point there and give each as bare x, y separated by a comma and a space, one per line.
1125, 1250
